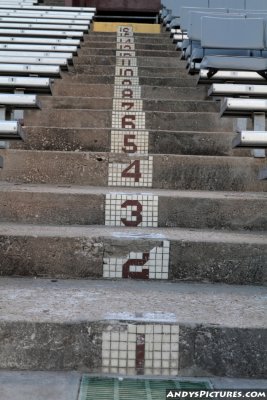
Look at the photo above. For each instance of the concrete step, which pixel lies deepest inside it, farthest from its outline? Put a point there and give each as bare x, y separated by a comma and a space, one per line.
207, 327
53, 205
142, 71
138, 38
84, 78
63, 88
161, 61
157, 171
91, 103
159, 142
139, 53
39, 385
181, 121
139, 45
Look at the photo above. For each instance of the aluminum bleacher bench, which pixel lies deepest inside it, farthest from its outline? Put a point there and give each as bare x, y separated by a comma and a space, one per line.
39, 54
46, 41
42, 33
11, 130
54, 27
237, 90
78, 10
41, 20
17, 83
19, 100
30, 69
65, 51
47, 14
34, 60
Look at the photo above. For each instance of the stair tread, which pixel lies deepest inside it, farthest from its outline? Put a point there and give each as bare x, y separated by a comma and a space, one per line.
74, 301
76, 189
92, 231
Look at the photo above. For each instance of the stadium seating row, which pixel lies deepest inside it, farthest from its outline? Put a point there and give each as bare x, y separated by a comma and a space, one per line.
227, 47
36, 43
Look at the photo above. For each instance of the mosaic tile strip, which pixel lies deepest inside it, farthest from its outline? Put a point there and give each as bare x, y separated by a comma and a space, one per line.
126, 62
153, 264
127, 92
124, 29
126, 47
128, 120
129, 142
147, 349
136, 173
122, 39
125, 54
126, 81
127, 105
131, 210
126, 71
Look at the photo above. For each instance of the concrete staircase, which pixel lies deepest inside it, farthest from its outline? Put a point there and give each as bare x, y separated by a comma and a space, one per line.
187, 208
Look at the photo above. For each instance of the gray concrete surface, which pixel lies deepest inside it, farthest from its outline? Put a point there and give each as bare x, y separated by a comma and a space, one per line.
37, 385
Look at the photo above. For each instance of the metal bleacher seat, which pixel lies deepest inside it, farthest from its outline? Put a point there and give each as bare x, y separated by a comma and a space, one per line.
36, 42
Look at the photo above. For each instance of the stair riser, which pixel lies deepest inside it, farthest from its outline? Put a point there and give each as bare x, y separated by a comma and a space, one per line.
147, 92
109, 80
142, 61
139, 45
138, 40
169, 172
139, 53
160, 142
107, 104
172, 211
181, 121
142, 71
199, 352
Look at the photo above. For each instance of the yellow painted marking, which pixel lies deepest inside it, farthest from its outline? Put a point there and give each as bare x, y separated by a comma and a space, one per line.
137, 28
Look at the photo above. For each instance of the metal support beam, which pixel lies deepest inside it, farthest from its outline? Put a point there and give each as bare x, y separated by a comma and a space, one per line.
259, 125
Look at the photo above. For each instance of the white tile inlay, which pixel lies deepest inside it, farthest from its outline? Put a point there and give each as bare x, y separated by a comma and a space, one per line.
128, 120
126, 71
131, 210
126, 81
127, 92
129, 142
153, 264
125, 53
127, 105
126, 62
136, 173
146, 349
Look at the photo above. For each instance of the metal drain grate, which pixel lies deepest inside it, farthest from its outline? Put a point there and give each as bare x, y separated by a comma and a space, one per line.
96, 388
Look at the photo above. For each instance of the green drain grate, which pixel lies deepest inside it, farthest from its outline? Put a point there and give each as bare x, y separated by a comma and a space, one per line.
96, 388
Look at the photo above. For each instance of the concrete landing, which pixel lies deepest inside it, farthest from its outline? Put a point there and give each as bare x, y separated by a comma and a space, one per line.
35, 385
67, 325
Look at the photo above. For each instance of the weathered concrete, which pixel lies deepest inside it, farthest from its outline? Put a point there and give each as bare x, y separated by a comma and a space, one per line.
78, 252
62, 88
168, 121
143, 60
160, 142
76, 313
139, 45
39, 385
139, 53
169, 171
98, 103
142, 71
35, 385
86, 206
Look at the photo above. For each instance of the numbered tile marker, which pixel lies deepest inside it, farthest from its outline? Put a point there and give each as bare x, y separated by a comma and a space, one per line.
127, 92
128, 120
125, 54
127, 105
153, 264
126, 62
126, 81
137, 173
143, 349
131, 210
129, 142
126, 71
